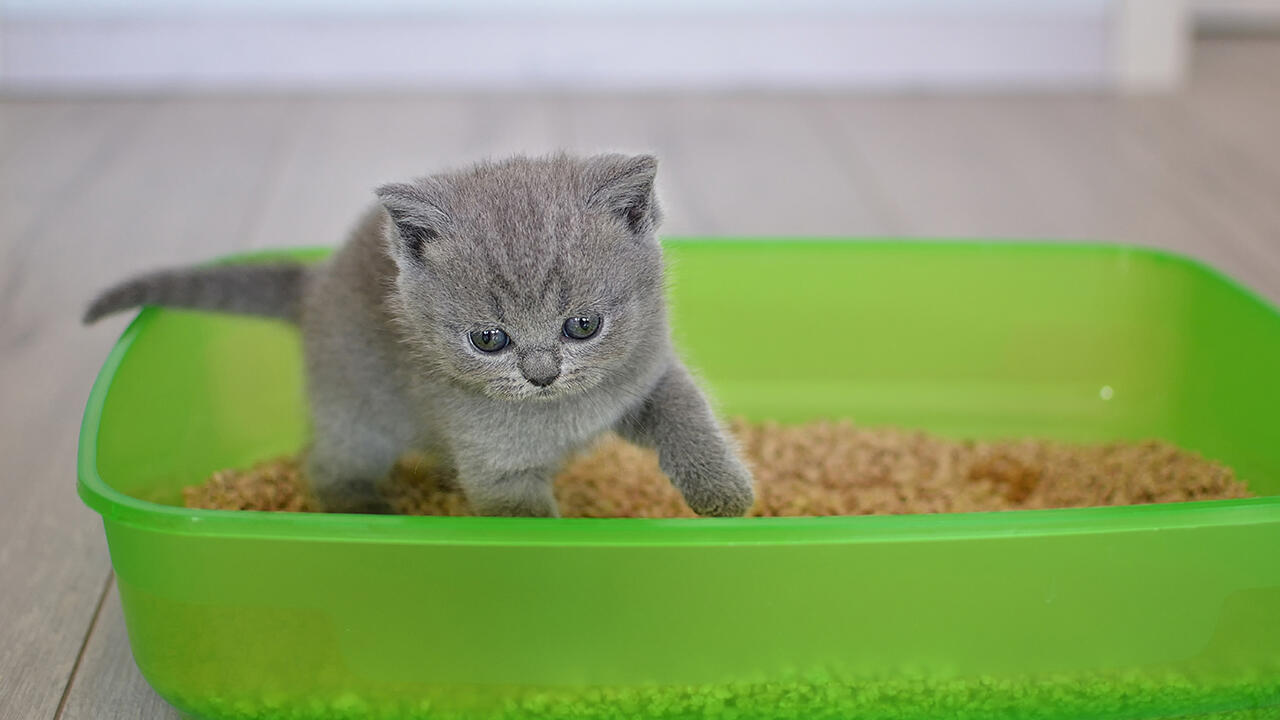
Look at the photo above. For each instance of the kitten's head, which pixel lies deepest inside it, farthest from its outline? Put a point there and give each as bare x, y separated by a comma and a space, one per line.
530, 278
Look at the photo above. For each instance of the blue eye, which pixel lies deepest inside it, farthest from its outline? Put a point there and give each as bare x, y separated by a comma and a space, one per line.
581, 328
489, 341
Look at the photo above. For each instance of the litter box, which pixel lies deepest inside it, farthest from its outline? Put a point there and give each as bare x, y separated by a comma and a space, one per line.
1123, 612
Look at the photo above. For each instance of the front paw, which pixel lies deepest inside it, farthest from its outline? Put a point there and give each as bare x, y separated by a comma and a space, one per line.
519, 494
515, 507
357, 498
719, 490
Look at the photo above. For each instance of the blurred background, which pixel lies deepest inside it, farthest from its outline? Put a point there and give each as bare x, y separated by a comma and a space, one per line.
142, 133
180, 129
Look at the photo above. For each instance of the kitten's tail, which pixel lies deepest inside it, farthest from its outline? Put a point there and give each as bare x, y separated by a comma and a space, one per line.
267, 290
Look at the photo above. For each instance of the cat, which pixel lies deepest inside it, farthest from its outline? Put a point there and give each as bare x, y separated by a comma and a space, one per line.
499, 317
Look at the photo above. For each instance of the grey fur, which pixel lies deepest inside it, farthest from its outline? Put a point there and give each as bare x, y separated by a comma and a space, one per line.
519, 245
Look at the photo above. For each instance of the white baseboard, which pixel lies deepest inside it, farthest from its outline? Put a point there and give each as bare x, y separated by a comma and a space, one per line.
1150, 44
932, 50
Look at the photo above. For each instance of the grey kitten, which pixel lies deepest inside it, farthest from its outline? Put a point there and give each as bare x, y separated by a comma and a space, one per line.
500, 318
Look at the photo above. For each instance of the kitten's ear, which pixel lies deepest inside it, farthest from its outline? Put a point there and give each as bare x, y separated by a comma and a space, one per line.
415, 211
623, 185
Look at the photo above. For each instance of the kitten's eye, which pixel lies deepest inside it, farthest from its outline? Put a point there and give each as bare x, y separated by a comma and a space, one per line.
489, 341
581, 328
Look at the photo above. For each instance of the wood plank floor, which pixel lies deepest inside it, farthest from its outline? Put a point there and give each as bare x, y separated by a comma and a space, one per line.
92, 190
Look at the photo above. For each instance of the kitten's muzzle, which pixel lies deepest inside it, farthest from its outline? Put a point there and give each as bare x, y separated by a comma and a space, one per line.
540, 367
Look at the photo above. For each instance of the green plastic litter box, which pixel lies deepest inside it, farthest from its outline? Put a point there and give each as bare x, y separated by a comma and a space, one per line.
1129, 612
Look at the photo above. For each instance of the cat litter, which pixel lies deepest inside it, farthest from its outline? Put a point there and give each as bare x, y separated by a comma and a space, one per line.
814, 469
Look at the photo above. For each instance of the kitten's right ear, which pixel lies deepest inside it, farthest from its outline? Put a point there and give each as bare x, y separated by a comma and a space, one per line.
415, 211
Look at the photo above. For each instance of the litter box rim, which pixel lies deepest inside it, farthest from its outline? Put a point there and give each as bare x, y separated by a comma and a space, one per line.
117, 507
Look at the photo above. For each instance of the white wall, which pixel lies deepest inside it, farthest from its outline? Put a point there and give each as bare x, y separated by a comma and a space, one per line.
163, 45
482, 7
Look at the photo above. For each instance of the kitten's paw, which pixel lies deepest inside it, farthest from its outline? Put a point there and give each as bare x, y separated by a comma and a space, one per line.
360, 506
515, 507
725, 491
352, 498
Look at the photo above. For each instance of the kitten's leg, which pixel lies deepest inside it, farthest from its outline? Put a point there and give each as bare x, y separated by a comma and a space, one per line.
345, 471
362, 415
693, 450
508, 493
355, 444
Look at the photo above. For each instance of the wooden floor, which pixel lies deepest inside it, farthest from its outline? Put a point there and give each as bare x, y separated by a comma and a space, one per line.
93, 190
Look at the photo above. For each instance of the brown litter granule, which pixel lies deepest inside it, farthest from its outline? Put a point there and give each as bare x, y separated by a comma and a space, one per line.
272, 485
819, 468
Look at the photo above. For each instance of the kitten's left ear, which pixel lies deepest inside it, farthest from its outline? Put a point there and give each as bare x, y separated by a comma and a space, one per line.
623, 185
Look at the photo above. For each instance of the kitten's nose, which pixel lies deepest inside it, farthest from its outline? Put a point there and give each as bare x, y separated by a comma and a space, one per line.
540, 367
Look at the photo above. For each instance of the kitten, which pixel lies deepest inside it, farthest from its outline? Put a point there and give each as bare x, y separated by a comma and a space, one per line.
499, 318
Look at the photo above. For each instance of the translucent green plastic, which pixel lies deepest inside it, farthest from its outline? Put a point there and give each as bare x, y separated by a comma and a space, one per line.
1127, 612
